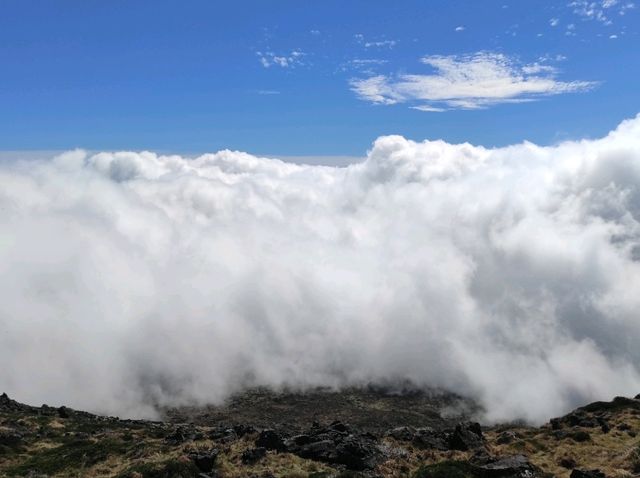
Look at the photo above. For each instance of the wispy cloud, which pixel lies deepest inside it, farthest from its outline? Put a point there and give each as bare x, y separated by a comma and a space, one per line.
460, 28
288, 60
600, 10
359, 37
475, 81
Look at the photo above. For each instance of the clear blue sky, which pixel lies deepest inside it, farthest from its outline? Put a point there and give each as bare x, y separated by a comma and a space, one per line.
310, 77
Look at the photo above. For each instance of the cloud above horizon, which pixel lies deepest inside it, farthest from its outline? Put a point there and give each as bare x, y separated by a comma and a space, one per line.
475, 81
510, 275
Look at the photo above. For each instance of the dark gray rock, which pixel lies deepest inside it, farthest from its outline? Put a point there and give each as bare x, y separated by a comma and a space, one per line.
506, 437
242, 430
336, 444
224, 434
204, 461
466, 436
428, 438
567, 462
581, 436
517, 466
179, 435
271, 440
587, 474
402, 433
10, 438
253, 455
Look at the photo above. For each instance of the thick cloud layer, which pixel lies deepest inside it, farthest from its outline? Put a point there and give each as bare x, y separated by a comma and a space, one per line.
510, 275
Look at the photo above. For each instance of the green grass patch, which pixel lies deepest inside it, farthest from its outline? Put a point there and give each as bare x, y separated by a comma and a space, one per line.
75, 455
446, 469
165, 469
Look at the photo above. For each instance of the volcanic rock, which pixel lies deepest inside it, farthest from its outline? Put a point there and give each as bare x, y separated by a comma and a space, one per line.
271, 440
466, 436
336, 444
253, 455
205, 461
517, 466
587, 474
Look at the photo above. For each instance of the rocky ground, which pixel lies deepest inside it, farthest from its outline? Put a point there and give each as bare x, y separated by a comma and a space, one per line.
353, 433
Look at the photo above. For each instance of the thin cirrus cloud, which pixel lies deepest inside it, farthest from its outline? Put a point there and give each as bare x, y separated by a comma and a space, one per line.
286, 60
474, 81
380, 43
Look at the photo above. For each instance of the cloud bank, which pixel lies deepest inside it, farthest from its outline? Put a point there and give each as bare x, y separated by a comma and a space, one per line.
510, 275
475, 81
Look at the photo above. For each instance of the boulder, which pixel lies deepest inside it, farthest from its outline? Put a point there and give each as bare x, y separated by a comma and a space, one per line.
336, 444
253, 455
10, 437
428, 438
483, 466
224, 434
567, 462
581, 436
517, 466
204, 461
179, 436
587, 474
506, 437
402, 433
270, 440
466, 436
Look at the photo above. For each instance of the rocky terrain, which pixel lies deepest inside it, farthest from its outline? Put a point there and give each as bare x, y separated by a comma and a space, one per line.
320, 434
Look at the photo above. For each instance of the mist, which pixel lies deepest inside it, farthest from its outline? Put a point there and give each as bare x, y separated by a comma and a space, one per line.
130, 281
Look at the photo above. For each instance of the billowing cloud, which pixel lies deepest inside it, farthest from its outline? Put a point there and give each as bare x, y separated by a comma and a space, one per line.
472, 81
510, 275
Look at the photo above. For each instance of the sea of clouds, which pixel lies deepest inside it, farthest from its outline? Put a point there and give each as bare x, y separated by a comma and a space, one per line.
510, 275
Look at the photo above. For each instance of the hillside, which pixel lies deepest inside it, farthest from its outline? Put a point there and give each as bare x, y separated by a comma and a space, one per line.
367, 433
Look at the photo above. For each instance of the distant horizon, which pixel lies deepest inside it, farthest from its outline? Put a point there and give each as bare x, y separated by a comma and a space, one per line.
311, 159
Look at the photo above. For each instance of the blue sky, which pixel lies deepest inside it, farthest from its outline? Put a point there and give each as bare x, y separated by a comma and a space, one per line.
312, 78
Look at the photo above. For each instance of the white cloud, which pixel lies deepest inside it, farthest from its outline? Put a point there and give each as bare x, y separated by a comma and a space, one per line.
460, 28
359, 38
290, 60
554, 22
467, 82
134, 279
267, 92
380, 43
429, 108
600, 10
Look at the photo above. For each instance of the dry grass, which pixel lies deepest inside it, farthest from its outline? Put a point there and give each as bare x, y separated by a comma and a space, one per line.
611, 452
116, 450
